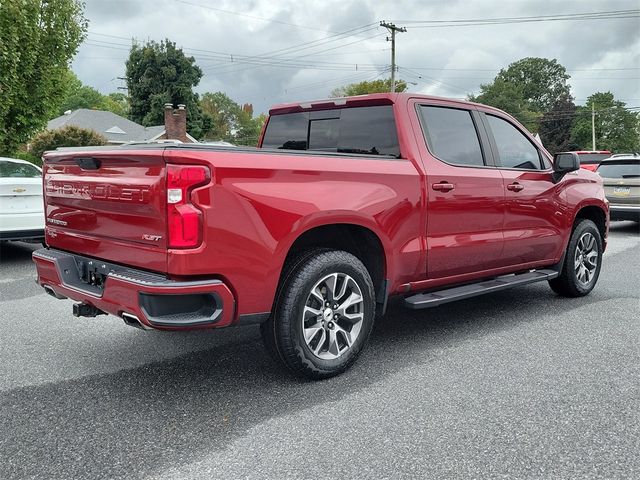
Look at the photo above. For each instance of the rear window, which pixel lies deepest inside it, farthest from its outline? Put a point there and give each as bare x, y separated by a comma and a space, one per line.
362, 130
619, 170
592, 158
12, 169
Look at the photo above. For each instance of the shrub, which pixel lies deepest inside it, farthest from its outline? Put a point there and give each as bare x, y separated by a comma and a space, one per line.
29, 157
69, 136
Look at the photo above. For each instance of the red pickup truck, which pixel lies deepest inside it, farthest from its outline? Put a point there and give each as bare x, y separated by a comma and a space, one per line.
344, 203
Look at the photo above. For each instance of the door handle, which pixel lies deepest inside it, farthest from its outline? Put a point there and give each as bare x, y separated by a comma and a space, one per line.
515, 187
443, 187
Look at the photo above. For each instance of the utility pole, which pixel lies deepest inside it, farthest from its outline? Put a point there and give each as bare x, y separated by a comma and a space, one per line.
593, 127
392, 29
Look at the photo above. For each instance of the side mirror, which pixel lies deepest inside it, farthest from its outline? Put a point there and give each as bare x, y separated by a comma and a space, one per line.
564, 163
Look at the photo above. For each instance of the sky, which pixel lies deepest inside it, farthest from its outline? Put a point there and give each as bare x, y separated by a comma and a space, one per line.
269, 52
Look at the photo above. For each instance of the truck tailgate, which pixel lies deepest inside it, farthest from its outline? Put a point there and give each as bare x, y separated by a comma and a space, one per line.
108, 205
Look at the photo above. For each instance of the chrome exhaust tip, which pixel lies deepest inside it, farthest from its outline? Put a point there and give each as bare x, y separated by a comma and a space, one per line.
51, 292
133, 321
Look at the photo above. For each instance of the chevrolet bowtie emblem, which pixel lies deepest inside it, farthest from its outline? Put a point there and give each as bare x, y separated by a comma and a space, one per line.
19, 190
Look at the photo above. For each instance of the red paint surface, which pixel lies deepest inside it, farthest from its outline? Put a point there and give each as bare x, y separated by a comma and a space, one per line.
257, 204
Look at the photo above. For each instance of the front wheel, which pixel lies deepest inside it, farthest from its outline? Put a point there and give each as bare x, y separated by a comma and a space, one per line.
323, 316
582, 262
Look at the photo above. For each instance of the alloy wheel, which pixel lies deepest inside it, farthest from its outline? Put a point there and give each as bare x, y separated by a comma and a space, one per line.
332, 316
586, 259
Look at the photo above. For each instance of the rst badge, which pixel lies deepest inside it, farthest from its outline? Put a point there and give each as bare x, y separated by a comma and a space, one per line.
152, 238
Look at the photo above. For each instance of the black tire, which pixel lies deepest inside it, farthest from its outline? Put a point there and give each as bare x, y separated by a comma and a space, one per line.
283, 333
568, 284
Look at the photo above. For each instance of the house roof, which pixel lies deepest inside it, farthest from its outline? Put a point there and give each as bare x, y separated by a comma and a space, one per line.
117, 129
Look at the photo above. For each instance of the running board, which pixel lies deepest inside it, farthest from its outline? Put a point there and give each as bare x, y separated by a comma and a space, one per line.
433, 299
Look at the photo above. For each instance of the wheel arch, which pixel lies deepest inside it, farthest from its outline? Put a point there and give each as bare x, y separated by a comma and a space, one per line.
597, 214
355, 238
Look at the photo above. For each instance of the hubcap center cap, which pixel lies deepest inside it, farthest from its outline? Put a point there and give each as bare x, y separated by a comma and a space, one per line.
327, 314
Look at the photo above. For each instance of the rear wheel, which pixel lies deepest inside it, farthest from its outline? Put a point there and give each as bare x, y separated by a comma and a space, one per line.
323, 315
582, 262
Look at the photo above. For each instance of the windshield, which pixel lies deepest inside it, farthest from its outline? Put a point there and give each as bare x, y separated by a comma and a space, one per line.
619, 170
13, 169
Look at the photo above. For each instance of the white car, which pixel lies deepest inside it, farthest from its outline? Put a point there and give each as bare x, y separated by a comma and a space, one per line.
21, 205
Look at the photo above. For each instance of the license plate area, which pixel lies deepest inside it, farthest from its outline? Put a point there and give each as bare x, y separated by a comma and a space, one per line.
92, 273
622, 191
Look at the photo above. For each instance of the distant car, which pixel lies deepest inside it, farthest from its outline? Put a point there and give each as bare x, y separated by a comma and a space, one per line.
621, 175
589, 159
21, 205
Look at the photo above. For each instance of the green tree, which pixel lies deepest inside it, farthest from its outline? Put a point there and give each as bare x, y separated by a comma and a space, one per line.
373, 86
526, 89
38, 38
617, 129
224, 114
230, 121
159, 73
83, 96
250, 128
556, 125
509, 97
79, 95
117, 103
68, 136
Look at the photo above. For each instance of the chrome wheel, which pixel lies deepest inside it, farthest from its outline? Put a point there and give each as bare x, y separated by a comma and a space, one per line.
332, 316
586, 259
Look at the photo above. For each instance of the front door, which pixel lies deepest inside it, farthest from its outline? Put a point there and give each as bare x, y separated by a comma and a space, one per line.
534, 215
465, 199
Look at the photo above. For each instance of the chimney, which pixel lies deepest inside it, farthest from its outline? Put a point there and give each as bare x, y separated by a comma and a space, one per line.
175, 123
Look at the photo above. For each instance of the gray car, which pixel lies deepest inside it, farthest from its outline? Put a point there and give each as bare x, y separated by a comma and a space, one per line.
621, 176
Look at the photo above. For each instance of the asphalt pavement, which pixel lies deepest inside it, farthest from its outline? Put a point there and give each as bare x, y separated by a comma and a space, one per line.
517, 384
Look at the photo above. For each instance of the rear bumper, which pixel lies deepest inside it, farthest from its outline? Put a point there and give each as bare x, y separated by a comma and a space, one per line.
154, 300
624, 212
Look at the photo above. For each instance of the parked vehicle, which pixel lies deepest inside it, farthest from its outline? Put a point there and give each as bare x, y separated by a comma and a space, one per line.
621, 175
21, 206
589, 160
345, 203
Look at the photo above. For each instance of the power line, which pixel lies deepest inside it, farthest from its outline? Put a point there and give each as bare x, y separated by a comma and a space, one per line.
284, 61
277, 60
319, 42
611, 14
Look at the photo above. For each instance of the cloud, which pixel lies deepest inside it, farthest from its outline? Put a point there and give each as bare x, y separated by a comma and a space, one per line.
441, 61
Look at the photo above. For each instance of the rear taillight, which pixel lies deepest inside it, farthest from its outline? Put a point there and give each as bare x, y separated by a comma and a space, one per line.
183, 218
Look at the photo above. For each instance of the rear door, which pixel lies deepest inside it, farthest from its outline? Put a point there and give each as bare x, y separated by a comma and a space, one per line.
109, 205
465, 194
534, 219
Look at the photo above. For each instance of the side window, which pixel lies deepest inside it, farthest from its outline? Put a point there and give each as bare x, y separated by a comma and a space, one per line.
370, 130
359, 130
514, 149
451, 135
287, 131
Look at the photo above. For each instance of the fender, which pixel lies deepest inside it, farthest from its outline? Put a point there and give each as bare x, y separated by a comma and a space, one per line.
335, 217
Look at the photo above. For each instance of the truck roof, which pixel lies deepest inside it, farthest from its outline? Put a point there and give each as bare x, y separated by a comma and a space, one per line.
359, 101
